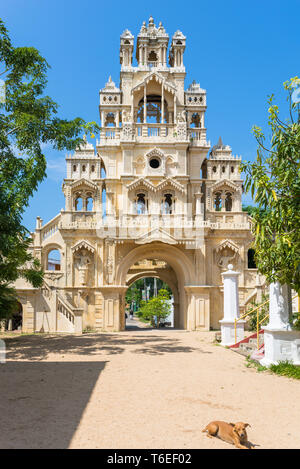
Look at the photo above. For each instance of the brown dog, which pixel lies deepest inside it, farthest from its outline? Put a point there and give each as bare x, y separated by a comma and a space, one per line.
234, 433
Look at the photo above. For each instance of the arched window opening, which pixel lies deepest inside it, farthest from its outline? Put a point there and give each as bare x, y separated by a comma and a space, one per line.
167, 204
110, 120
228, 202
103, 200
53, 260
152, 59
78, 204
93, 168
232, 169
223, 169
218, 202
153, 110
83, 168
74, 167
102, 171
89, 203
214, 169
141, 204
251, 259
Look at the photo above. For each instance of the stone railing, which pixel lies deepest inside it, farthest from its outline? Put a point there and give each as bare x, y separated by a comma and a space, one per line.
46, 290
50, 228
197, 137
147, 221
83, 216
147, 132
65, 309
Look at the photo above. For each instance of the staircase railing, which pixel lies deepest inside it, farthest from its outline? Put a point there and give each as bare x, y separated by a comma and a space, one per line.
65, 309
258, 322
62, 304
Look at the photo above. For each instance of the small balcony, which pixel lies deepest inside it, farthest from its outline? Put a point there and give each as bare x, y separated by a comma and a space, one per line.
149, 132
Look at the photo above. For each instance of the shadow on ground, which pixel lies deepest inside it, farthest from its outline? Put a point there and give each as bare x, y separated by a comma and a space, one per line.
39, 346
42, 403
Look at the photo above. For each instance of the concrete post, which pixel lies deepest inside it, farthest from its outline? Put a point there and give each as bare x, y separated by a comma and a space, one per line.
231, 308
279, 307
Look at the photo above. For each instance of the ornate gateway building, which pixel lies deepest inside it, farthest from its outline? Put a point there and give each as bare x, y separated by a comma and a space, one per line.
152, 200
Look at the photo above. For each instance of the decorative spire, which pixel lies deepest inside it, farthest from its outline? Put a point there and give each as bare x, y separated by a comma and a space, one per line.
220, 143
151, 22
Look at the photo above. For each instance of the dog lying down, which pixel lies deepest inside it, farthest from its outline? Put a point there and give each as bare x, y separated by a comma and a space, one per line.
234, 433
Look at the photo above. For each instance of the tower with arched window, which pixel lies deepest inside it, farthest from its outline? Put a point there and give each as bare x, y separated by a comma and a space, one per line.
150, 197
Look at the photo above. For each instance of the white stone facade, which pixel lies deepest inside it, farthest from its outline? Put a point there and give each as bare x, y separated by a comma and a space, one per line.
151, 199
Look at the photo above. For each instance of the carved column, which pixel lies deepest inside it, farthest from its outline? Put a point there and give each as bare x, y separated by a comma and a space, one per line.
145, 103
175, 109
162, 103
110, 262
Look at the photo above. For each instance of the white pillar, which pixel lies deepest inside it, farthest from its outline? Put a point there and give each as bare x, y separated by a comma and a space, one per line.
278, 307
281, 342
231, 308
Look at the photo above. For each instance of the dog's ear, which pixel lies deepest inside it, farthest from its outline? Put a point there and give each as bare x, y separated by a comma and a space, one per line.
247, 425
235, 430
232, 424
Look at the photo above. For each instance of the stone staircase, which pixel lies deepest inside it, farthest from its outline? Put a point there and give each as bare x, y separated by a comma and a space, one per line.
248, 346
66, 316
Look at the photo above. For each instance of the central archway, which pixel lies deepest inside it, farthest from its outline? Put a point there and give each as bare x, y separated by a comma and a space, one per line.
180, 264
144, 286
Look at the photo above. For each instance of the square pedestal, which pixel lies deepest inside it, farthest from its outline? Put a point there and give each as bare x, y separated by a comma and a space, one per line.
227, 332
281, 346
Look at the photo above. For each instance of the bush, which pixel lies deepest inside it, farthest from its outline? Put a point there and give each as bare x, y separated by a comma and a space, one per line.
156, 309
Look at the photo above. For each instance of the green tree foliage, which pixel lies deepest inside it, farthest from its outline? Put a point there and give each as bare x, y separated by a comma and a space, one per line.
274, 180
156, 309
134, 293
28, 120
251, 210
262, 313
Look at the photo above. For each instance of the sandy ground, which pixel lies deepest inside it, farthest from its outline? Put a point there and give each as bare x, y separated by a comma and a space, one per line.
138, 389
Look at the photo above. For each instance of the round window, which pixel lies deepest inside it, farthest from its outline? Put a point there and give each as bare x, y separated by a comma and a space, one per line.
154, 163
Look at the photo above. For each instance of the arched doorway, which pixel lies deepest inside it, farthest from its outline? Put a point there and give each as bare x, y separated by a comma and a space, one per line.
178, 273
14, 323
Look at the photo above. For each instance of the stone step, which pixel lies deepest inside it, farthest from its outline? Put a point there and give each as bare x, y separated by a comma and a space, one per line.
240, 351
248, 347
253, 340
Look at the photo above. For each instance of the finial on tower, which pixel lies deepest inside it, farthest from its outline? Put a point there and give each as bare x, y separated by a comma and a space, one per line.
151, 21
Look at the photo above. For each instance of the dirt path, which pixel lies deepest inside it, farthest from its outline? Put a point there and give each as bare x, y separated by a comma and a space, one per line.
138, 389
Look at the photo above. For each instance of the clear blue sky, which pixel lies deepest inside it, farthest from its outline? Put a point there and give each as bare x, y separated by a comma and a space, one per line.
239, 51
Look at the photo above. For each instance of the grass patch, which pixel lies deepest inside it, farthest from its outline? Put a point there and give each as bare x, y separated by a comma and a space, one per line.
88, 330
286, 369
254, 364
283, 368
145, 321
